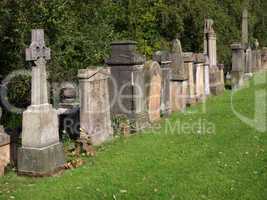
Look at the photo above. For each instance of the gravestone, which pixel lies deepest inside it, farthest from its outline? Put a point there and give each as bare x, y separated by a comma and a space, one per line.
207, 75
189, 64
178, 71
95, 117
41, 152
248, 61
163, 58
153, 83
264, 57
4, 150
237, 73
179, 78
178, 90
200, 82
127, 87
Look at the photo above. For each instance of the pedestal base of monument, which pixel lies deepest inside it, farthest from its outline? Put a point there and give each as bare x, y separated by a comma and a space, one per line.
216, 81
217, 89
40, 162
190, 101
237, 79
4, 150
138, 121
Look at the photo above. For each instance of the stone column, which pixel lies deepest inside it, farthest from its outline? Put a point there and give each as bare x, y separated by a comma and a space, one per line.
163, 58
212, 49
41, 152
245, 29
4, 150
95, 104
189, 64
200, 82
210, 42
127, 87
237, 74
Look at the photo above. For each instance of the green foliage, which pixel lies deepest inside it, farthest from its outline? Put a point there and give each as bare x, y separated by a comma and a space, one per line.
79, 32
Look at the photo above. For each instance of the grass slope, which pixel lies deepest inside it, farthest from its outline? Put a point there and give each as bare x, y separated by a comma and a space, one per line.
171, 162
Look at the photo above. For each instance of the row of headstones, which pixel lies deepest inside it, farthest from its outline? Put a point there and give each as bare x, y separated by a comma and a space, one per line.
142, 91
245, 62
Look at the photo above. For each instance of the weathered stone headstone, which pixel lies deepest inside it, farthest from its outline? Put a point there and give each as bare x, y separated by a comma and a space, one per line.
127, 87
256, 60
41, 152
178, 95
210, 43
207, 75
217, 80
163, 58
237, 73
248, 61
264, 57
189, 64
178, 71
95, 117
4, 150
153, 82
200, 82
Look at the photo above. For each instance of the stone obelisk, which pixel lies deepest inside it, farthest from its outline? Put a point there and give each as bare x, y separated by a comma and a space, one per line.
41, 152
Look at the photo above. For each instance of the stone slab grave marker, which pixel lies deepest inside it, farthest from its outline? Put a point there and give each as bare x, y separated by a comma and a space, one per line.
207, 75
200, 82
264, 57
95, 117
4, 150
127, 86
179, 78
41, 153
178, 70
163, 58
238, 64
153, 85
189, 64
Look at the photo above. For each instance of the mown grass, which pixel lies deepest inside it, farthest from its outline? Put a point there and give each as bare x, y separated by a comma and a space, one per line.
225, 160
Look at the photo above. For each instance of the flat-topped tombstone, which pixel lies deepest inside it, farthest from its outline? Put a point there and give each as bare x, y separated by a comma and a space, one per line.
264, 57
4, 150
95, 117
238, 64
127, 87
41, 152
178, 70
199, 65
189, 64
153, 83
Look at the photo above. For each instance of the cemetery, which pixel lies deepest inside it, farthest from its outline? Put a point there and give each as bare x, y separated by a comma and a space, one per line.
174, 123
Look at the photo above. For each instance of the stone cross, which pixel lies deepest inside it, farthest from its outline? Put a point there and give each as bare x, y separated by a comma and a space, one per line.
39, 54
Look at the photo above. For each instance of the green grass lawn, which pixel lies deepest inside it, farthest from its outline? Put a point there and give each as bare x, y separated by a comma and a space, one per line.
225, 159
